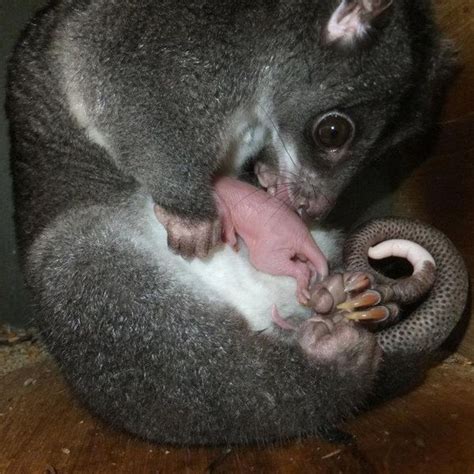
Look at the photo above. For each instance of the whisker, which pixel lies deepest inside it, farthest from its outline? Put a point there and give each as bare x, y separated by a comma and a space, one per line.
288, 173
278, 134
250, 194
456, 119
282, 204
292, 184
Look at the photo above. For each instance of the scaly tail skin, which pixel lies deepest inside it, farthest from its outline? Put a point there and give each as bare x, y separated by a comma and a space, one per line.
429, 325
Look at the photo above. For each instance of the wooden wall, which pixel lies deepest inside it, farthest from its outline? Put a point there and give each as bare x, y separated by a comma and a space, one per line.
441, 190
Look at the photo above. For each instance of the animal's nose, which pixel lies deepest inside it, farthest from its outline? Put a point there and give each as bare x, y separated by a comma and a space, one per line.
315, 207
302, 205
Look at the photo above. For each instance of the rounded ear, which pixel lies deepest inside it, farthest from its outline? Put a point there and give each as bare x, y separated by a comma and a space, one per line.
352, 20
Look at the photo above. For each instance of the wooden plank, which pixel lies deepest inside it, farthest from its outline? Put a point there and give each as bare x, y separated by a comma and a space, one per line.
441, 190
430, 430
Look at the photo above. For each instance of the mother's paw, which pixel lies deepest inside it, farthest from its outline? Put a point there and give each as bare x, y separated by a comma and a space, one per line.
336, 341
356, 296
188, 237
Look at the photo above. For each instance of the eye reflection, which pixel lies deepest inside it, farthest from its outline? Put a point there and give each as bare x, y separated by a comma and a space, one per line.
333, 131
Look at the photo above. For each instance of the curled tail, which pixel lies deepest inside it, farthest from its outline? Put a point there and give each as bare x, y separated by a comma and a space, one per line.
428, 326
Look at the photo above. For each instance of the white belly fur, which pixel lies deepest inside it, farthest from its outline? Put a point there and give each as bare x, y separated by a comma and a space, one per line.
230, 278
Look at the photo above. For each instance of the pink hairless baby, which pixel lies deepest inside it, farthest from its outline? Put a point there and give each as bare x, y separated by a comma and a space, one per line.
278, 241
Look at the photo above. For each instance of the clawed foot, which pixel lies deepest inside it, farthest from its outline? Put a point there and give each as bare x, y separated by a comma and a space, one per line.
356, 297
335, 340
190, 238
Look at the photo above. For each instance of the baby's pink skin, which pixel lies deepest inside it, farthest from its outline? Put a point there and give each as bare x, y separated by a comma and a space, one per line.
279, 242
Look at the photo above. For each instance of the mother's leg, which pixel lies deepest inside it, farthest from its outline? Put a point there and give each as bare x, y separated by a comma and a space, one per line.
146, 349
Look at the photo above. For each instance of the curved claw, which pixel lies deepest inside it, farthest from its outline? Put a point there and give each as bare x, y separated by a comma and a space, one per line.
374, 304
355, 297
357, 281
368, 298
378, 314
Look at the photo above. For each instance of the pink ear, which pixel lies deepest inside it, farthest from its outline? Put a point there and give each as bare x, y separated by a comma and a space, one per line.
352, 20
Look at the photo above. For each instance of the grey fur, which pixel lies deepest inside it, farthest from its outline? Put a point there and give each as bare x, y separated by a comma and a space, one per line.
162, 84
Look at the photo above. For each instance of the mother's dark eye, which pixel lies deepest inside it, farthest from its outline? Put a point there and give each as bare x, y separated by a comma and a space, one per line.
333, 130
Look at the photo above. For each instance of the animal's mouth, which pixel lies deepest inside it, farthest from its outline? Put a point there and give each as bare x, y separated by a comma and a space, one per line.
308, 202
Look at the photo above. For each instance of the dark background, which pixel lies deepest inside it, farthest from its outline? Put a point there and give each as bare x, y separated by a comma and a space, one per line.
13, 298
